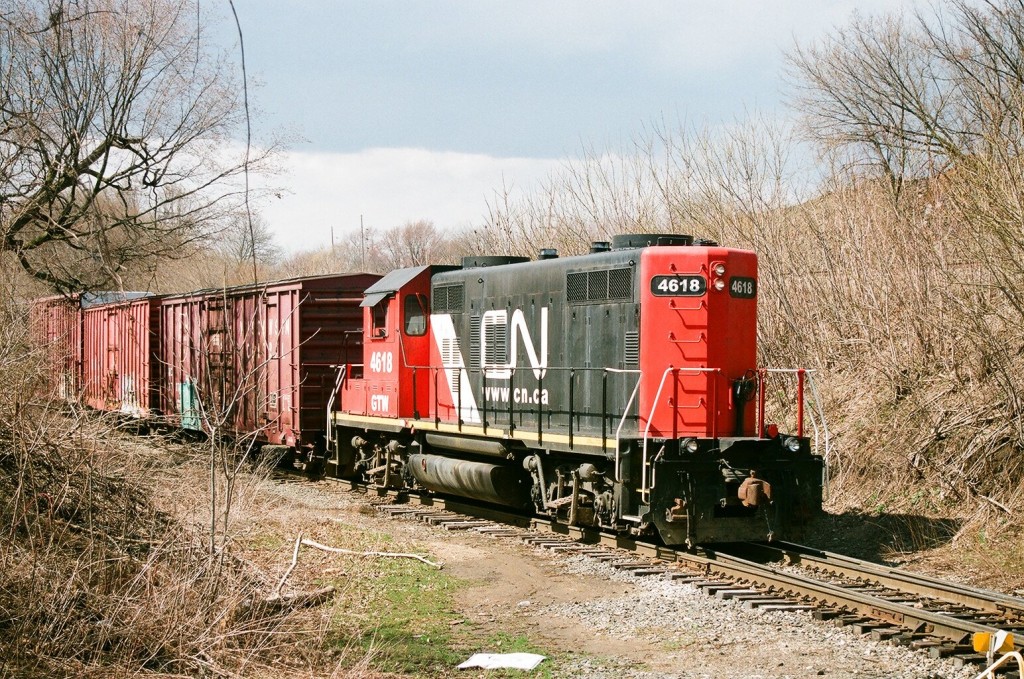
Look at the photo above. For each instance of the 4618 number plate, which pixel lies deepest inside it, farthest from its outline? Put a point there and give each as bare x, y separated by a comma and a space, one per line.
678, 286
744, 288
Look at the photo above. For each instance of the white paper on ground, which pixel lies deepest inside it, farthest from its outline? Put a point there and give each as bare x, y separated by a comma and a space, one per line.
495, 661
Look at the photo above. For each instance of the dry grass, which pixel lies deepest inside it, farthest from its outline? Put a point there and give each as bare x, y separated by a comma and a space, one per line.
97, 580
105, 561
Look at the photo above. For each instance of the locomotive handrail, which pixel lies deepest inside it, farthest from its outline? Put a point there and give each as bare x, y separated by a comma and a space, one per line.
509, 372
820, 409
342, 370
622, 420
644, 490
801, 374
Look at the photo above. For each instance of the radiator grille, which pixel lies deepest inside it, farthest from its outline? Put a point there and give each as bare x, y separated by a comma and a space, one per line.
583, 287
632, 353
449, 298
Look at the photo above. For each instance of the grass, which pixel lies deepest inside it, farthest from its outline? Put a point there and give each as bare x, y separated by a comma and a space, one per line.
405, 617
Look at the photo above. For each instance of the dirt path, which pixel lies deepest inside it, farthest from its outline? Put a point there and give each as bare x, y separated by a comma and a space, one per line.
589, 620
510, 585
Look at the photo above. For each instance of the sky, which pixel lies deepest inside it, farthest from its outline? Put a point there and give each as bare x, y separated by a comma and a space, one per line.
396, 111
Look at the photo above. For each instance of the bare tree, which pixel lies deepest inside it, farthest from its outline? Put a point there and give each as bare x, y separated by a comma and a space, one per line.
114, 117
873, 94
411, 244
239, 244
914, 96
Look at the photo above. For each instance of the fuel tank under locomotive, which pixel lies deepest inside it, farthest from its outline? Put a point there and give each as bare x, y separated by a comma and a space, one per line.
495, 483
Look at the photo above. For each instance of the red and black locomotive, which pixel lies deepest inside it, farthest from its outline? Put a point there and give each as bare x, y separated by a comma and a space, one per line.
617, 389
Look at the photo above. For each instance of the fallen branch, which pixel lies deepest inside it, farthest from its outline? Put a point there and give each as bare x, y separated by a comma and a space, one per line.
338, 550
995, 503
299, 599
295, 560
276, 601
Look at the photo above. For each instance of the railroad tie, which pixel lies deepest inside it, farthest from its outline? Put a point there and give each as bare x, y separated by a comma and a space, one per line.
754, 604
732, 593
977, 659
885, 633
709, 587
535, 539
497, 531
844, 620
686, 578
868, 627
464, 525
397, 510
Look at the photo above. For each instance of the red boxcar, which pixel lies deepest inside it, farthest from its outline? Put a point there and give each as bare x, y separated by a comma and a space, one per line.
121, 354
56, 329
259, 359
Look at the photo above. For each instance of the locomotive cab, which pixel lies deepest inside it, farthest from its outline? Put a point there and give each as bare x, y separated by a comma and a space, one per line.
395, 347
389, 387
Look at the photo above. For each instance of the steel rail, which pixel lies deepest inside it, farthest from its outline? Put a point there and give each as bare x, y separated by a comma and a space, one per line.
906, 616
902, 580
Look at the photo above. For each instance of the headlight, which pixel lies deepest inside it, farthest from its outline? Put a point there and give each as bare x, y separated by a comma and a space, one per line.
719, 284
719, 269
690, 445
792, 444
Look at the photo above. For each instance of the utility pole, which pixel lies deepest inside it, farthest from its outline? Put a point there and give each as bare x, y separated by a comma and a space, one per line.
362, 245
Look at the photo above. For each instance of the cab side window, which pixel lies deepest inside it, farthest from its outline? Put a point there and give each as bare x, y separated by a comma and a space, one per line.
380, 318
415, 315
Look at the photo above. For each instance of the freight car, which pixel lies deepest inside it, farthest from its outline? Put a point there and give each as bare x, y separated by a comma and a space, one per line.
55, 326
256, 360
617, 389
121, 353
68, 328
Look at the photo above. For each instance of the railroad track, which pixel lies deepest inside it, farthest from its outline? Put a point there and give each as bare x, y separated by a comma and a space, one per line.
891, 605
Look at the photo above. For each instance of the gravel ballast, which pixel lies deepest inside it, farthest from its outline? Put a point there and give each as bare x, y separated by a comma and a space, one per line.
717, 639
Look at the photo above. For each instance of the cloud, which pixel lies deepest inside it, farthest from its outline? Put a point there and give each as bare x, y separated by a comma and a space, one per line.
388, 187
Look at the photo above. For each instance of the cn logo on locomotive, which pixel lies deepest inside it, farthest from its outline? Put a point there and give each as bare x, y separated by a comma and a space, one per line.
494, 324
